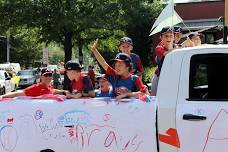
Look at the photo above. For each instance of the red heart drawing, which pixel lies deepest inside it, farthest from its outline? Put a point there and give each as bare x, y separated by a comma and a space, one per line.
171, 138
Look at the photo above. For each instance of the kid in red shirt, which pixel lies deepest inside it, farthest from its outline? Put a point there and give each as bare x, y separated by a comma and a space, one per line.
81, 85
164, 47
41, 88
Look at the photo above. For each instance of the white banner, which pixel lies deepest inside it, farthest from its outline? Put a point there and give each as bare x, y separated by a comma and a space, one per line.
85, 125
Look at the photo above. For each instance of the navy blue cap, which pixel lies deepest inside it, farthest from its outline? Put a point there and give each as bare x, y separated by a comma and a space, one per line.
126, 40
167, 29
122, 57
191, 34
178, 29
45, 71
73, 65
102, 76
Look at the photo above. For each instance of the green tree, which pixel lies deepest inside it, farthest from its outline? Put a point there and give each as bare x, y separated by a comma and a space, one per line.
69, 22
25, 48
138, 26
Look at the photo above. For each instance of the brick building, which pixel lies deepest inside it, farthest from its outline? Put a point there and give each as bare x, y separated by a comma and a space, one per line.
208, 17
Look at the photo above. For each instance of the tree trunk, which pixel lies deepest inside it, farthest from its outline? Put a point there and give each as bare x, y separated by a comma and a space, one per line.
80, 45
68, 46
68, 54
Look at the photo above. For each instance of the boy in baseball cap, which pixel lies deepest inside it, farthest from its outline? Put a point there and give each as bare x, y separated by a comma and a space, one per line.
195, 37
164, 47
126, 46
81, 85
124, 83
178, 32
105, 89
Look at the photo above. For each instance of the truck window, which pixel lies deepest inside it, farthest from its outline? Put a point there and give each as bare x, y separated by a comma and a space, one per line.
208, 78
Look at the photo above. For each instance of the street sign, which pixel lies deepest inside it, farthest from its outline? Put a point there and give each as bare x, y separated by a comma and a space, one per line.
45, 56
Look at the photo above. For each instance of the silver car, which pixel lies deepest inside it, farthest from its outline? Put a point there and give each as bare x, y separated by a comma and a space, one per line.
28, 77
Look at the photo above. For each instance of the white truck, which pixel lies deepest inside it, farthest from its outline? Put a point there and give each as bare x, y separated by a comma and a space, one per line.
189, 114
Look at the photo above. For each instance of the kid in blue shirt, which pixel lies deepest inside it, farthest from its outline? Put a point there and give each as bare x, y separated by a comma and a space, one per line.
124, 83
105, 89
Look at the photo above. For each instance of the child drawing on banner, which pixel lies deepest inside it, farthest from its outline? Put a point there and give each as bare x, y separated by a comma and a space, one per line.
124, 83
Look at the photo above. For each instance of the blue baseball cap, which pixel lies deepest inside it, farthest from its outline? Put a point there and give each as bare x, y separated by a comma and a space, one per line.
126, 40
73, 65
191, 34
45, 72
178, 29
167, 29
122, 57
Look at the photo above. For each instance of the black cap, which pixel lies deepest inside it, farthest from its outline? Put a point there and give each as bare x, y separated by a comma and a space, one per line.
191, 34
178, 29
126, 40
73, 65
102, 76
122, 57
45, 71
167, 29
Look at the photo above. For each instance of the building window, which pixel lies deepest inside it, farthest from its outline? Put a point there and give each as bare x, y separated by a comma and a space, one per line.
208, 78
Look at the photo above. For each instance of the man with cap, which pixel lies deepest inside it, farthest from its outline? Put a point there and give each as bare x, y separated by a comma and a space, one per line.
164, 47
126, 46
41, 88
124, 83
81, 85
193, 39
105, 89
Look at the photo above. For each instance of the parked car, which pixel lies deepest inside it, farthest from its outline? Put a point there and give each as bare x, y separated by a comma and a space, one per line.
6, 83
52, 67
28, 77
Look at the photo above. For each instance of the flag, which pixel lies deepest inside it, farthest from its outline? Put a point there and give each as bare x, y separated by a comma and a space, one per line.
168, 17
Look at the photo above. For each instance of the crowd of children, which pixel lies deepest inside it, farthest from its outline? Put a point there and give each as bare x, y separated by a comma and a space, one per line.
122, 79
170, 40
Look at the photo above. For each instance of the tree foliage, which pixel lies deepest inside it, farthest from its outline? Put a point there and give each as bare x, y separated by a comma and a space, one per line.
75, 23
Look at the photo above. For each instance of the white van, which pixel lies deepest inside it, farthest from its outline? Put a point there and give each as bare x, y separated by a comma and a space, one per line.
10, 66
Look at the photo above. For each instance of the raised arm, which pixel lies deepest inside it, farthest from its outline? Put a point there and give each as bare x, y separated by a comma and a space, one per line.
98, 56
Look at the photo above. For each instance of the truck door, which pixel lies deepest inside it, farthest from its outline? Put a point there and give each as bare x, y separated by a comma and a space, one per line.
202, 107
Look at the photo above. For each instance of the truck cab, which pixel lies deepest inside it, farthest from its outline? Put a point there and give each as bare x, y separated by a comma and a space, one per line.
192, 100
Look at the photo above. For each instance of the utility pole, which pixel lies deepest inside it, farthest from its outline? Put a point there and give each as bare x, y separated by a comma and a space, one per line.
8, 47
225, 29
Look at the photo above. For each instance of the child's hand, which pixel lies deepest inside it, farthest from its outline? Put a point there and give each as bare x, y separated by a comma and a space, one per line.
94, 46
122, 96
187, 43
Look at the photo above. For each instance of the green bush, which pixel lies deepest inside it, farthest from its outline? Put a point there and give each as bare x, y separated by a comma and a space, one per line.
147, 74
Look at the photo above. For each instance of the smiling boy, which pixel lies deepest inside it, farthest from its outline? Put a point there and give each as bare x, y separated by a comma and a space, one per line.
124, 83
81, 85
164, 47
